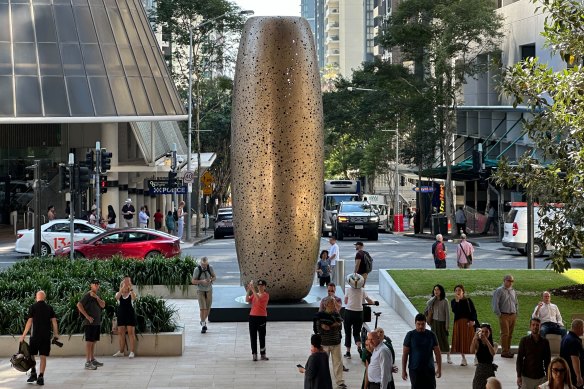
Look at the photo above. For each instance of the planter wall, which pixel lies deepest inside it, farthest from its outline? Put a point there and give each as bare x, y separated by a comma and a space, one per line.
164, 292
161, 344
396, 299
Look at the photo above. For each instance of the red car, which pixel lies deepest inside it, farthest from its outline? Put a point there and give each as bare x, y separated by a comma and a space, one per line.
127, 242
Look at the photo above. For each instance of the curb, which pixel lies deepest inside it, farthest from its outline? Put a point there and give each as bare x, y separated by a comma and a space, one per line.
202, 240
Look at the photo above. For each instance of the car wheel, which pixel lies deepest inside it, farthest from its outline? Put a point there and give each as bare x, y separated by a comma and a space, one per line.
152, 254
374, 235
78, 255
522, 251
339, 234
45, 250
538, 248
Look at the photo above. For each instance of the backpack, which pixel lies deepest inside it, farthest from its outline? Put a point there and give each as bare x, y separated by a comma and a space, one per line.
440, 252
367, 261
389, 344
22, 360
201, 271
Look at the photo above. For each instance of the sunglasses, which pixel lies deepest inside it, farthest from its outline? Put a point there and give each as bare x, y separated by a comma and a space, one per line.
558, 370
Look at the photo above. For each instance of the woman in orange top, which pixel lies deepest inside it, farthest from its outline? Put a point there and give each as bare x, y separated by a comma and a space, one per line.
258, 317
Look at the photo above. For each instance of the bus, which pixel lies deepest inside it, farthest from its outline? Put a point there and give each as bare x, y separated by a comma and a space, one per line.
336, 191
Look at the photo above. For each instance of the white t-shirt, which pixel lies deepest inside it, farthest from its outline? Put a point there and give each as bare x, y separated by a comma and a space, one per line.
334, 249
355, 299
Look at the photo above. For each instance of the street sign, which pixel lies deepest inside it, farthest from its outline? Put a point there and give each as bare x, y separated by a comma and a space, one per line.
207, 178
188, 177
207, 190
160, 187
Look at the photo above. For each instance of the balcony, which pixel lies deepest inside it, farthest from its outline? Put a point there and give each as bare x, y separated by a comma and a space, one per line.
332, 26
333, 52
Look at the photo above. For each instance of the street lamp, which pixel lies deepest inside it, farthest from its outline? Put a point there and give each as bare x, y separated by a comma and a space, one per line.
190, 127
397, 215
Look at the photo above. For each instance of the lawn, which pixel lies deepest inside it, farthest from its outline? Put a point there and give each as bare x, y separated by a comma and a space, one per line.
480, 285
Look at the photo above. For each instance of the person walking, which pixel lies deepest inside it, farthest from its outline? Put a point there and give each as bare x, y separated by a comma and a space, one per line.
460, 219
158, 218
558, 375
533, 358
354, 298
420, 350
93, 217
258, 317
484, 349
491, 220
51, 213
143, 218
126, 317
203, 278
464, 253
328, 325
550, 316
128, 212
316, 372
379, 370
571, 350
323, 268
170, 224
41, 317
334, 256
439, 252
437, 314
181, 219
505, 306
111, 217
360, 267
465, 317
90, 307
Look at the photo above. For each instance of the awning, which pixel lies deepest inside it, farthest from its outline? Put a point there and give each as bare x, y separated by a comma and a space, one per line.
460, 172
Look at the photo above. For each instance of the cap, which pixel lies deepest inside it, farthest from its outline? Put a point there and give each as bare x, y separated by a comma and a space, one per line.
128, 200
262, 282
95, 281
358, 244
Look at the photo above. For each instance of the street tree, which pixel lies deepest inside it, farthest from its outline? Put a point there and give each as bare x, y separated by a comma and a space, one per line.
445, 39
556, 97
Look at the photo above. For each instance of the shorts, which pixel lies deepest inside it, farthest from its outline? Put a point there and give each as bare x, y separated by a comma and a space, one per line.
205, 299
92, 333
40, 346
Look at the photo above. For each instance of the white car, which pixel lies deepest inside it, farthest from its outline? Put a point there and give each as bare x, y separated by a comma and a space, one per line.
55, 235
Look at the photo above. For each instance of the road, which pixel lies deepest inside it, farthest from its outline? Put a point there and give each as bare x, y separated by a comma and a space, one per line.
390, 252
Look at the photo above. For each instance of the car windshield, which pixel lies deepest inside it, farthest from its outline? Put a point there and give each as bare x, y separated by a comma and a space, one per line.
358, 207
225, 216
332, 201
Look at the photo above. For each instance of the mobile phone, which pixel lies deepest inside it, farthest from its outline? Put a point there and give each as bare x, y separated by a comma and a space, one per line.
300, 366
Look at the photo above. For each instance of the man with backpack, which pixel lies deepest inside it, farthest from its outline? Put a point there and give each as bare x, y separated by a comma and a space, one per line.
203, 277
439, 252
363, 262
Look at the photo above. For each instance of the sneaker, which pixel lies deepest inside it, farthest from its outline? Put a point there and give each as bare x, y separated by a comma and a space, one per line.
33, 377
255, 357
131, 355
201, 323
448, 360
264, 358
41, 380
343, 386
90, 366
119, 354
204, 329
345, 369
347, 355
96, 363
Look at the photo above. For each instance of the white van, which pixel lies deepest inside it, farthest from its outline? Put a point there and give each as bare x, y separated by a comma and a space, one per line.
379, 205
515, 231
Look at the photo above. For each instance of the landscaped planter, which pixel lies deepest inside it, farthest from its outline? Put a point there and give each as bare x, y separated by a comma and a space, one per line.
163, 291
161, 344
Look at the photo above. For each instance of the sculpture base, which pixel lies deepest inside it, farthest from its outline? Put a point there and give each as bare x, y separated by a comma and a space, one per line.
229, 305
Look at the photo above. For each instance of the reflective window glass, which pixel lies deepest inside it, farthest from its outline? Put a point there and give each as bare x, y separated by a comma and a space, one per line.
139, 96
153, 95
143, 64
72, 61
128, 61
25, 61
102, 96
178, 106
118, 26
28, 96
3, 1
65, 24
44, 23
96, 3
168, 105
79, 97
55, 96
130, 27
122, 96
22, 31
48, 2
64, 2
49, 59
80, 2
102, 24
5, 59
6, 101
4, 24
93, 61
112, 60
85, 25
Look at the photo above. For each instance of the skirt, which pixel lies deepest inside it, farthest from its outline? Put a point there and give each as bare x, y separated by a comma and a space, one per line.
483, 371
462, 336
439, 329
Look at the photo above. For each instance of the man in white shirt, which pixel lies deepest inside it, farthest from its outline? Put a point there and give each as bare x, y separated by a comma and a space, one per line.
333, 256
549, 314
380, 366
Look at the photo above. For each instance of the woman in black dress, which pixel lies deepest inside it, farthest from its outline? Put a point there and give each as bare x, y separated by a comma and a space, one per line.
484, 350
126, 316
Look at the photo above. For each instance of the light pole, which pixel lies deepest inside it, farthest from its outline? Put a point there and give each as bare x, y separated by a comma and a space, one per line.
190, 130
397, 215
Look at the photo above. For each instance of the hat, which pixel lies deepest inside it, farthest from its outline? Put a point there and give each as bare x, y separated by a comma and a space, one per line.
262, 282
358, 244
128, 200
95, 281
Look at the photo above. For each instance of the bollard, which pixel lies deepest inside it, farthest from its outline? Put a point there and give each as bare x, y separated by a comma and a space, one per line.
340, 274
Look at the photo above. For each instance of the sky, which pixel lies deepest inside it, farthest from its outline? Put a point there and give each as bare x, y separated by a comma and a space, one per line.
271, 7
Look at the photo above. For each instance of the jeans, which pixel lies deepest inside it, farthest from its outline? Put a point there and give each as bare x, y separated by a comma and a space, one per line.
552, 328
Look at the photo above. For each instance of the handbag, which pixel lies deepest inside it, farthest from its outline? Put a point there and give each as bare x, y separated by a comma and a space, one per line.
468, 256
429, 313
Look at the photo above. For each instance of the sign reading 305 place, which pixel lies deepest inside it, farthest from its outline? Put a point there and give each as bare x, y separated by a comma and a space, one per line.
160, 187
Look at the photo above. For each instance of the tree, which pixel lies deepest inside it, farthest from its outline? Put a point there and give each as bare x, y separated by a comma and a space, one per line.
444, 38
556, 98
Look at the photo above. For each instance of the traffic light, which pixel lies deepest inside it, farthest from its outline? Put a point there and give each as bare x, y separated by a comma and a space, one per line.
172, 179
82, 178
64, 179
89, 162
106, 161
102, 184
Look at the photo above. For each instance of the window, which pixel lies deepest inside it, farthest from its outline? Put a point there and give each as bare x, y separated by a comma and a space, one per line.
527, 51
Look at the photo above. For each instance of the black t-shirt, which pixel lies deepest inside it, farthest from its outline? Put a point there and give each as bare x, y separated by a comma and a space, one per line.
360, 256
128, 208
41, 314
92, 308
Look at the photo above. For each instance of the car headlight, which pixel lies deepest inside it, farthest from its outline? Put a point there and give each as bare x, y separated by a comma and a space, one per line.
374, 219
343, 219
